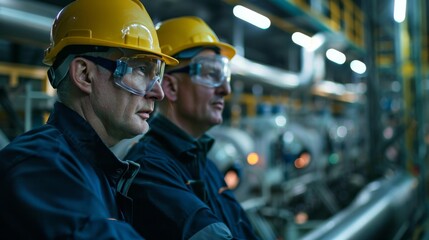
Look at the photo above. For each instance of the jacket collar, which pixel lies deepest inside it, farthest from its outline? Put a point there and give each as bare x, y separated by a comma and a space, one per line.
178, 140
85, 141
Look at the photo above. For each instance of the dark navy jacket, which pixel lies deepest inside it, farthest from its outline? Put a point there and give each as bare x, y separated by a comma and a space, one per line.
60, 181
178, 193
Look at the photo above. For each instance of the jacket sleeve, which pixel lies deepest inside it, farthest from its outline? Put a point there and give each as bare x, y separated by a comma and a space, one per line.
218, 230
166, 208
44, 199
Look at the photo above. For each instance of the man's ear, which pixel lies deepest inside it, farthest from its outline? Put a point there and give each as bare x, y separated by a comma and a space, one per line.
170, 86
79, 74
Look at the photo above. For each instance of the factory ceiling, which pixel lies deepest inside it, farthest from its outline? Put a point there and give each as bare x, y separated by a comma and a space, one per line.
22, 40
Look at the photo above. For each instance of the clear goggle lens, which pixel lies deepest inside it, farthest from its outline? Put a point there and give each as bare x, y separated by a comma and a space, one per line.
139, 74
209, 71
136, 75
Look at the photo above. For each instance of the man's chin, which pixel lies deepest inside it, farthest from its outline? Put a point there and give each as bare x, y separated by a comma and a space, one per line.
141, 128
144, 128
217, 121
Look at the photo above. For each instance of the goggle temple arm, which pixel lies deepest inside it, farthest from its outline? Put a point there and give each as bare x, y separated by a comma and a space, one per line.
194, 69
191, 69
121, 69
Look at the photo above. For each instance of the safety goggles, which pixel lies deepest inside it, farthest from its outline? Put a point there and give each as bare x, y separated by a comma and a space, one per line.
136, 75
210, 71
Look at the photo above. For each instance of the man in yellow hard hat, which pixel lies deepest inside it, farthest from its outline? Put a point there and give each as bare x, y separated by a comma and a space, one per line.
61, 181
178, 192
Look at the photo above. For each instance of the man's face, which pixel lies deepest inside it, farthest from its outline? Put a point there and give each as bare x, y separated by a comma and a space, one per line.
122, 114
200, 105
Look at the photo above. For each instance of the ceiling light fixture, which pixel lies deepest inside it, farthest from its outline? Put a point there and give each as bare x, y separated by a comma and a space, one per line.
301, 39
336, 56
307, 42
358, 67
251, 17
400, 10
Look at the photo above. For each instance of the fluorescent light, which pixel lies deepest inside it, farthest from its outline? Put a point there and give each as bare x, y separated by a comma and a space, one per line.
309, 43
251, 17
358, 66
301, 39
336, 56
399, 11
316, 41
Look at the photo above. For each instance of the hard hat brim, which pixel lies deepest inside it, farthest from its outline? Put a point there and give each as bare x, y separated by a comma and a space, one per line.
53, 52
225, 49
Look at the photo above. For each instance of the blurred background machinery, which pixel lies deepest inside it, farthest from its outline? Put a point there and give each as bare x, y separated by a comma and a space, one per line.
325, 133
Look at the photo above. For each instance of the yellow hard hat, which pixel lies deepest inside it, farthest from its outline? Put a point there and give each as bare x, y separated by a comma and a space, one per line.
182, 33
112, 23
